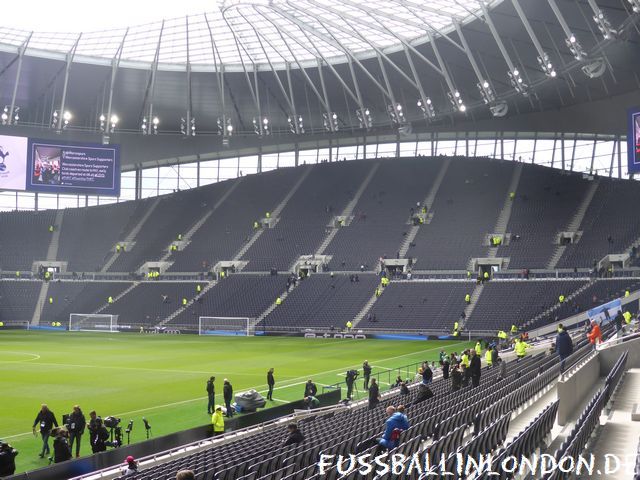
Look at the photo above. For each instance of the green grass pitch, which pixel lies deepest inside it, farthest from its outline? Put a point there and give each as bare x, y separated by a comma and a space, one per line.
163, 377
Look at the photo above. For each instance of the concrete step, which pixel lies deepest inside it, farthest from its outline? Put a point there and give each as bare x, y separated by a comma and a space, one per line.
367, 307
272, 307
52, 251
182, 308
42, 298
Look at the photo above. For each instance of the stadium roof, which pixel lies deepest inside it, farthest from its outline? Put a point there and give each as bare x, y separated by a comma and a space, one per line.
237, 33
315, 66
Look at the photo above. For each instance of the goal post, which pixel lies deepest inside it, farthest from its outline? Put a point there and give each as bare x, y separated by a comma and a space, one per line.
93, 322
240, 326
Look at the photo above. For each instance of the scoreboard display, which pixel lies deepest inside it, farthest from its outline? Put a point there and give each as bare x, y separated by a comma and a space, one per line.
33, 165
633, 140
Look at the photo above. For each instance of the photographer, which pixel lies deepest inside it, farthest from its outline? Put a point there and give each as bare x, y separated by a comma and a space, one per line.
99, 442
350, 380
366, 371
76, 425
7, 459
61, 448
47, 420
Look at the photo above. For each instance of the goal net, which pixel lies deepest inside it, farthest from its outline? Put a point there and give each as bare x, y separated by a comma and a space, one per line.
225, 326
93, 322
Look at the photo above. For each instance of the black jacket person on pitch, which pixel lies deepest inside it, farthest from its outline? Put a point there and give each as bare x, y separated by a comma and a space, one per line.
227, 391
270, 383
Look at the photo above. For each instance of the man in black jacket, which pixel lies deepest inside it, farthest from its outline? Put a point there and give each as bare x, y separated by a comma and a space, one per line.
456, 378
294, 435
227, 391
47, 420
475, 369
310, 389
77, 424
7, 459
564, 346
374, 393
93, 426
100, 436
366, 373
270, 383
61, 448
211, 393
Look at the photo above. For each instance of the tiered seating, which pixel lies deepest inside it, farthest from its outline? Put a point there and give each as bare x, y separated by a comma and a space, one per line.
303, 222
228, 228
78, 297
545, 202
418, 305
323, 301
87, 234
24, 237
18, 300
145, 304
236, 296
382, 213
171, 217
504, 303
466, 208
612, 213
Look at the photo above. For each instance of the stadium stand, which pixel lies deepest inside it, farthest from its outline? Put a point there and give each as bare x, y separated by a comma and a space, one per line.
465, 211
542, 193
88, 234
78, 297
381, 217
238, 295
25, 237
224, 232
172, 217
609, 225
418, 305
18, 300
523, 300
323, 301
148, 303
303, 222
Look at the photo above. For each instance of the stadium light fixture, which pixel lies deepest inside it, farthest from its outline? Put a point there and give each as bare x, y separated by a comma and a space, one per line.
546, 65
603, 24
330, 121
427, 108
265, 126
635, 5
8, 117
364, 117
595, 69
150, 130
499, 109
575, 48
66, 119
456, 100
396, 114
114, 121
486, 92
292, 124
517, 82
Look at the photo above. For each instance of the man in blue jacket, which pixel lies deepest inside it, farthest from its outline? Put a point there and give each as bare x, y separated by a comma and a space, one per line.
395, 424
564, 346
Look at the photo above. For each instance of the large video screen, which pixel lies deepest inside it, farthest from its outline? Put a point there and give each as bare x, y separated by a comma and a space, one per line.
633, 140
77, 168
13, 162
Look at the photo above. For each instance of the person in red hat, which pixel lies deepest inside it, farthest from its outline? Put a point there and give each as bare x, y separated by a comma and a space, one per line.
131, 468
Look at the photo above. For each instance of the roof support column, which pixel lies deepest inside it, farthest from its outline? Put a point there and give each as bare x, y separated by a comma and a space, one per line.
70, 56
21, 51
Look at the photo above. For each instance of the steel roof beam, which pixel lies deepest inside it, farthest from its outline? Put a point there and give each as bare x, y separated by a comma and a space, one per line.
70, 56
14, 94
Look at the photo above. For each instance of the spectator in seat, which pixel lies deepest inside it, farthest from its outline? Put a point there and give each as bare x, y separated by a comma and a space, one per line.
131, 468
311, 402
185, 475
61, 448
445, 368
404, 389
394, 426
294, 436
427, 374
